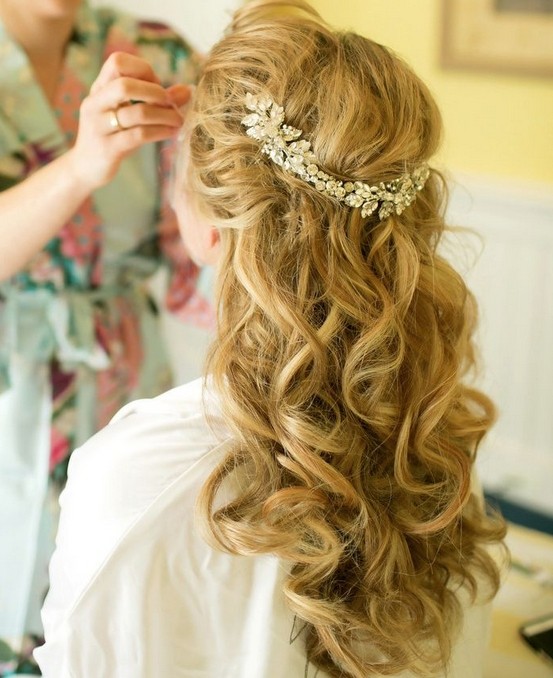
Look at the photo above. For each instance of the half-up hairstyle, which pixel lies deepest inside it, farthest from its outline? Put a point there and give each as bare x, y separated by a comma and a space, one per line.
342, 347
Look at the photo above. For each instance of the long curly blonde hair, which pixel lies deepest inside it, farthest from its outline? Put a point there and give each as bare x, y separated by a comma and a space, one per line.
341, 348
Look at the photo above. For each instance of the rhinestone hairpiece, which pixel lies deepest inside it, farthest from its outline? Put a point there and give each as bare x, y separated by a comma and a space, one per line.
283, 145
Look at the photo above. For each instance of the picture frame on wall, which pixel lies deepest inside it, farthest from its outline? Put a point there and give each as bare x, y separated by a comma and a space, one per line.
511, 36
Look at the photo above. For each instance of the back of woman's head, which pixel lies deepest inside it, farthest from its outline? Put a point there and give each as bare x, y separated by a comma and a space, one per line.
342, 342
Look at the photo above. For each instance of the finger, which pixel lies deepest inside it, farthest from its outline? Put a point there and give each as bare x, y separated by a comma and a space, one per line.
179, 94
121, 64
124, 90
129, 140
147, 114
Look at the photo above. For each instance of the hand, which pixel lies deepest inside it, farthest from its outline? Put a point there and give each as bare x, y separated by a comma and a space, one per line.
126, 108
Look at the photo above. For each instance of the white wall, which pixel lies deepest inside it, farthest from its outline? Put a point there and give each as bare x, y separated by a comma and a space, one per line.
513, 281
201, 23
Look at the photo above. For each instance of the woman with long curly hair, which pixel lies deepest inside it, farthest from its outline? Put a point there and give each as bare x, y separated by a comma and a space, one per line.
309, 506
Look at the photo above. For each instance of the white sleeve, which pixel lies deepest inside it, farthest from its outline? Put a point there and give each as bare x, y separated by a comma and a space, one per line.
98, 574
97, 506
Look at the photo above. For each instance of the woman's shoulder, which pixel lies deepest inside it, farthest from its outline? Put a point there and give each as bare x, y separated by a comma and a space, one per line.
123, 471
126, 473
149, 444
131, 489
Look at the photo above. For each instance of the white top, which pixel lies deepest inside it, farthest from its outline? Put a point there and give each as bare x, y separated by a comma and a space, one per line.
135, 590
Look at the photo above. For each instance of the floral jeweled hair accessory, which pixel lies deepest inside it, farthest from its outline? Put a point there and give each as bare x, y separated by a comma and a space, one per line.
283, 145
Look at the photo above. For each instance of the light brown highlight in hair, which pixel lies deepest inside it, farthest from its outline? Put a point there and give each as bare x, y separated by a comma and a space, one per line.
341, 350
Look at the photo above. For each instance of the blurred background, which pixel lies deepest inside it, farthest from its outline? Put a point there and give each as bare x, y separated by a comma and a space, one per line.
491, 72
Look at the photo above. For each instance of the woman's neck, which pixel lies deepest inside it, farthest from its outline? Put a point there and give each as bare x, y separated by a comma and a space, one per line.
43, 37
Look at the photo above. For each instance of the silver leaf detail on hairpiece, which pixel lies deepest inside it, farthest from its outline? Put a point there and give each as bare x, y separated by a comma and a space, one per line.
283, 145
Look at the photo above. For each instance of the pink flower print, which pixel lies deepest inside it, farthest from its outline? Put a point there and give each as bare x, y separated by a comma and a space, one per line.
42, 156
69, 96
28, 159
154, 30
188, 304
129, 328
42, 268
80, 237
96, 273
68, 245
118, 332
59, 447
118, 41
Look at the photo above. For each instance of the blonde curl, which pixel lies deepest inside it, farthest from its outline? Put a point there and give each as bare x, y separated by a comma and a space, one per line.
342, 348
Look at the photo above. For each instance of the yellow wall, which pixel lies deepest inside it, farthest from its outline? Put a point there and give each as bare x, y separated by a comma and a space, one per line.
496, 125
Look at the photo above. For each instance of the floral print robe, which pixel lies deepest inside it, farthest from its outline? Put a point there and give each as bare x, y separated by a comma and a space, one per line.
79, 331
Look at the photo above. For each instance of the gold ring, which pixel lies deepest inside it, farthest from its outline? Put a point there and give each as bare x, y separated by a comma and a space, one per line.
114, 122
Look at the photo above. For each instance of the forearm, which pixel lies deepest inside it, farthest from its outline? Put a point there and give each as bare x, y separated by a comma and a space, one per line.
32, 212
35, 210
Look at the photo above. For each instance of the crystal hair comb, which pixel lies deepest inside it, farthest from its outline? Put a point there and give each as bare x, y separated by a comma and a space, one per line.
282, 143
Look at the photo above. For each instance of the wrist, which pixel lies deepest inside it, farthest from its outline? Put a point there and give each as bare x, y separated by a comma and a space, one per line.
75, 171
